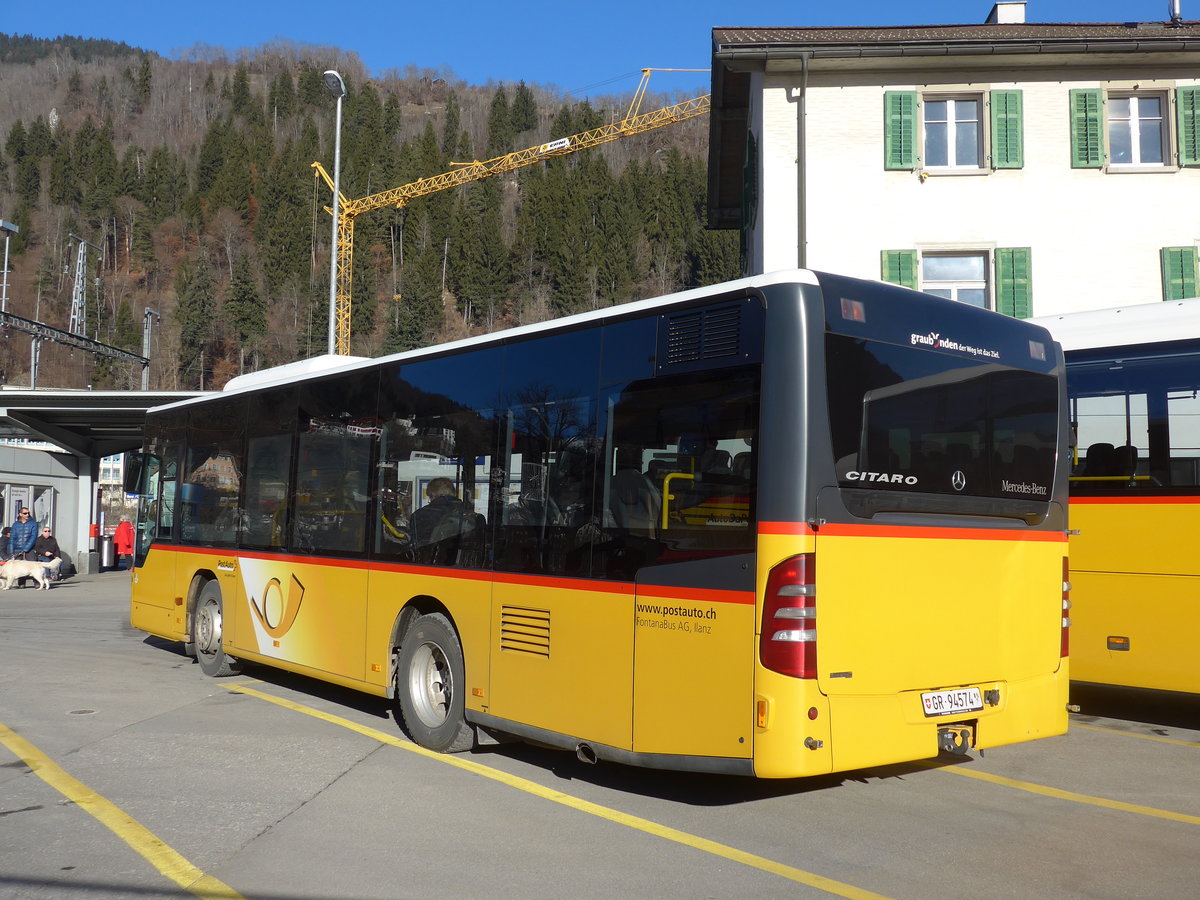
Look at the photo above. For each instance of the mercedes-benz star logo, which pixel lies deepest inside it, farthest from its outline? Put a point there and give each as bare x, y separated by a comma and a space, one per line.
958, 480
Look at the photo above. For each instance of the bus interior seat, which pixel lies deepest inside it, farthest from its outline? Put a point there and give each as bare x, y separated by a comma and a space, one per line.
715, 462
1099, 459
635, 502
658, 469
1125, 460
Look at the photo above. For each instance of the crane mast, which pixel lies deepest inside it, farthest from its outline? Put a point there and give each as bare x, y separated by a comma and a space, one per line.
634, 122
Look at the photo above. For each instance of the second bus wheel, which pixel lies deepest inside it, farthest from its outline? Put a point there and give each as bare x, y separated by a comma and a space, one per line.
430, 685
207, 631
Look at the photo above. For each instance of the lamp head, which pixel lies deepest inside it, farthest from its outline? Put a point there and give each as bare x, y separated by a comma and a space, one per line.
334, 83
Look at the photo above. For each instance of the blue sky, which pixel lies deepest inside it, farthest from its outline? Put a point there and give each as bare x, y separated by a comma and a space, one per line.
588, 48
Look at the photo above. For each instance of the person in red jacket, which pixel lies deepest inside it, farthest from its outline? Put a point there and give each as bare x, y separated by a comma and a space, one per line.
123, 543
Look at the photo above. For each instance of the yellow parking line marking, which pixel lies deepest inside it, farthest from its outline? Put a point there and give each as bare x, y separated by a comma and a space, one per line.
1059, 794
120, 823
1134, 734
532, 787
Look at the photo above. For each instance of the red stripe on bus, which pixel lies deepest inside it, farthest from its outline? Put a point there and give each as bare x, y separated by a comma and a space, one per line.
801, 528
562, 584
698, 595
909, 531
940, 533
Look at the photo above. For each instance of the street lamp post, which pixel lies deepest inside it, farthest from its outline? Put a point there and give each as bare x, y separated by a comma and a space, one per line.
337, 87
9, 230
148, 319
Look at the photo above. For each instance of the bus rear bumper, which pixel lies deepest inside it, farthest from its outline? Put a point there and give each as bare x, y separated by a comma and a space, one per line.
884, 730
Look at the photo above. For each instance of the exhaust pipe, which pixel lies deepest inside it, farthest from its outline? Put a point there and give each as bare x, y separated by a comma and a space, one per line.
586, 754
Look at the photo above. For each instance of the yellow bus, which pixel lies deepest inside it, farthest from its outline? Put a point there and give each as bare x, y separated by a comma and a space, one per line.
1133, 376
789, 525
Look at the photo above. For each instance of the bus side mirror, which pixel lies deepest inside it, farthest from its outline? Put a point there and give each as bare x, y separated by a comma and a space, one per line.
137, 467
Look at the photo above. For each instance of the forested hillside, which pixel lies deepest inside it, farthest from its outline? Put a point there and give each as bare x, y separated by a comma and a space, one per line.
194, 177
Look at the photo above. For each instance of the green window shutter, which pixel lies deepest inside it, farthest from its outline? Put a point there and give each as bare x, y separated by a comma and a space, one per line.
1179, 273
900, 130
1008, 146
1087, 128
899, 267
1014, 281
1187, 114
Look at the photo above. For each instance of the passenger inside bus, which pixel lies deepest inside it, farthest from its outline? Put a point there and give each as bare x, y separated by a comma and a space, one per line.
439, 528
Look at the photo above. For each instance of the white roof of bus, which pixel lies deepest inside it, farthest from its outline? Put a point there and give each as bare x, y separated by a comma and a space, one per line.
320, 365
1124, 326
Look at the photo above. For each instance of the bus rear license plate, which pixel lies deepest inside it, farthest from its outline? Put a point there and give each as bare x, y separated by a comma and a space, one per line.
948, 703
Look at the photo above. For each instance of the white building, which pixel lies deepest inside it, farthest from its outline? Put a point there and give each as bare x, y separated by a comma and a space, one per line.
1032, 168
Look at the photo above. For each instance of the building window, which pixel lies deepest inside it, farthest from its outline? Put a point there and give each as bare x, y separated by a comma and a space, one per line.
953, 132
956, 276
1137, 130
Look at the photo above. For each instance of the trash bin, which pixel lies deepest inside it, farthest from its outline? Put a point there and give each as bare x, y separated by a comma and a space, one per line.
108, 559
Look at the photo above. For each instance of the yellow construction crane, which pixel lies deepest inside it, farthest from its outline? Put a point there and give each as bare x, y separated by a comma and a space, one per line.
634, 122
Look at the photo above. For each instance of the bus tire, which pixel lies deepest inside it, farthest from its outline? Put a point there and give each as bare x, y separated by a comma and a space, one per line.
207, 630
430, 684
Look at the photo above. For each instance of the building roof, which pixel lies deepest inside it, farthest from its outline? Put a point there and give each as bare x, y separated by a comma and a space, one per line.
1182, 33
90, 424
739, 51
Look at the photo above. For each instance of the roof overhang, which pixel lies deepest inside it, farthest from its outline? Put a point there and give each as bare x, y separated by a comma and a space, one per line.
89, 424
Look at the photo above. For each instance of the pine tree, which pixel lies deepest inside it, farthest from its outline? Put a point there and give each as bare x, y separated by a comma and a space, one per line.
451, 125
194, 312
101, 175
416, 316
15, 145
64, 186
245, 310
142, 85
524, 113
311, 88
283, 245
500, 128
212, 156
126, 333
281, 101
40, 140
29, 179
239, 92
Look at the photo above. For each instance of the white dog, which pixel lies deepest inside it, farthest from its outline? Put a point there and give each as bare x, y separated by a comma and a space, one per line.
15, 569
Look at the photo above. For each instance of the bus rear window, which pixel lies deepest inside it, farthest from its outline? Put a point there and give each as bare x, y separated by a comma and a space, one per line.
910, 420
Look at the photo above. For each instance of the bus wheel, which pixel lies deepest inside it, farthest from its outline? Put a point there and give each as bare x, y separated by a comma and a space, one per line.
429, 686
206, 632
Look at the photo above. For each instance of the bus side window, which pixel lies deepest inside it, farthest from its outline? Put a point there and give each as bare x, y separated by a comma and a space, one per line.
680, 472
431, 488
212, 475
338, 429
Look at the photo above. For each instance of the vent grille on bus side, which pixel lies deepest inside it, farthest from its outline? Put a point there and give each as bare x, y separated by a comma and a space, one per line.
524, 630
712, 333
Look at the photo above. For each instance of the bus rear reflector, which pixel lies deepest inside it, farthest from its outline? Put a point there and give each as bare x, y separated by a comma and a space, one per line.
1066, 609
788, 642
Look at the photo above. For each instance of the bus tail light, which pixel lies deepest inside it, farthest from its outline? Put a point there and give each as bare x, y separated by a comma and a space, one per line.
788, 643
1066, 609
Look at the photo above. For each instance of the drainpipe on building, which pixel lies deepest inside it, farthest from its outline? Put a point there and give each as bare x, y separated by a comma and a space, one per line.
801, 168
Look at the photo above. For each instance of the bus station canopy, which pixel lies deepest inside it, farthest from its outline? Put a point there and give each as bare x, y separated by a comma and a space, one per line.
90, 424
